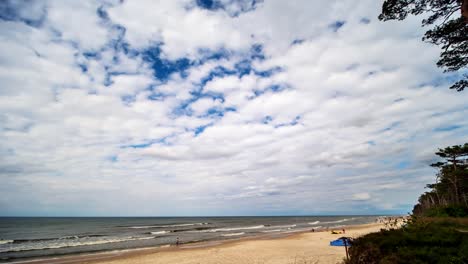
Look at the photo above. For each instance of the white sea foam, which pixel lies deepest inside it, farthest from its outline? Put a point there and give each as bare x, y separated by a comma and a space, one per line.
161, 226
283, 226
272, 231
66, 243
5, 241
233, 234
142, 227
314, 223
235, 228
160, 232
179, 225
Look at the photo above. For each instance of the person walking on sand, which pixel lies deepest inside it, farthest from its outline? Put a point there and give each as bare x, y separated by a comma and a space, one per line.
177, 241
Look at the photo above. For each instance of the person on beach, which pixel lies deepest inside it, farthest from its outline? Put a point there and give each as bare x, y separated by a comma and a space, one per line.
177, 241
344, 231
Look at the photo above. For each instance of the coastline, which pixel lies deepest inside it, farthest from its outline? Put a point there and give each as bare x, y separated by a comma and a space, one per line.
300, 247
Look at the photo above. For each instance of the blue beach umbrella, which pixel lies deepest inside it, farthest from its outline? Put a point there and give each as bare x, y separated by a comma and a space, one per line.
340, 242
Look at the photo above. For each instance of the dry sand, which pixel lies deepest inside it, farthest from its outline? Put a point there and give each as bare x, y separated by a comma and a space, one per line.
303, 248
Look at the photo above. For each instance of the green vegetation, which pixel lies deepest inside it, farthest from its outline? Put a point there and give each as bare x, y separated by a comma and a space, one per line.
447, 211
422, 240
437, 232
449, 194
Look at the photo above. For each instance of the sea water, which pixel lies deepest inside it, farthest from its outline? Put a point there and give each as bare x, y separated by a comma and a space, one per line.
30, 237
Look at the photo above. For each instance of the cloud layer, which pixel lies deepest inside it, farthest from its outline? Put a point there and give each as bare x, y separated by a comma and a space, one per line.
217, 108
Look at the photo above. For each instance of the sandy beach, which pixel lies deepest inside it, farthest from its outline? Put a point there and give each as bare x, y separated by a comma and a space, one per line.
302, 248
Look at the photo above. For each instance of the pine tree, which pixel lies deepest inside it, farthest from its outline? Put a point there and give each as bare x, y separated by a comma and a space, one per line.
449, 19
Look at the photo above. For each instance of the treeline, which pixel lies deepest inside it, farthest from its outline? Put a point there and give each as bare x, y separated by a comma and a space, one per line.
422, 240
448, 196
437, 232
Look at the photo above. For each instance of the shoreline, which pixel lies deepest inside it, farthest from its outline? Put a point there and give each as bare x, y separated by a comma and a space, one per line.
143, 255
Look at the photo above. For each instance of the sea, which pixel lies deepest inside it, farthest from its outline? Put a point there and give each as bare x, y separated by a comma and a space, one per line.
25, 238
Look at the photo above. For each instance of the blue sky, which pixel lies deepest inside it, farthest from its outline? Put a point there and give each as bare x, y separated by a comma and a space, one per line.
218, 107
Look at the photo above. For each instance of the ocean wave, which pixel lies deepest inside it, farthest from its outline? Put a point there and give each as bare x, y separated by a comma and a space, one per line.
314, 223
35, 240
165, 226
272, 231
198, 229
191, 224
189, 230
18, 241
63, 243
339, 221
160, 232
283, 226
292, 231
233, 234
235, 228
2, 242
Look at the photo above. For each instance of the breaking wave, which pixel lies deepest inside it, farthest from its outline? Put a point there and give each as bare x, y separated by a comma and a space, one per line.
272, 231
233, 234
283, 226
235, 228
160, 232
37, 244
165, 226
2, 242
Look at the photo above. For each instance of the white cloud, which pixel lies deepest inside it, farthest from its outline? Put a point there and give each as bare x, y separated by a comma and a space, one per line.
127, 84
344, 110
77, 22
201, 106
182, 30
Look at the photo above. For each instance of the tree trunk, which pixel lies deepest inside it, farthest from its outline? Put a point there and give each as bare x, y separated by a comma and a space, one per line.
439, 202
431, 200
464, 9
455, 179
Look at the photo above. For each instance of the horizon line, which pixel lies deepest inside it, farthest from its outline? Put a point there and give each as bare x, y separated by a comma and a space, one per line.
187, 216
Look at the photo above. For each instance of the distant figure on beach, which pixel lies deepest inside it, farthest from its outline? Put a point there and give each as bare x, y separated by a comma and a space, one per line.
313, 230
177, 241
344, 231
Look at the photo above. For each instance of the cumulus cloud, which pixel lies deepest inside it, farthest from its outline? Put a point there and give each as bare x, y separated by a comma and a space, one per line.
110, 107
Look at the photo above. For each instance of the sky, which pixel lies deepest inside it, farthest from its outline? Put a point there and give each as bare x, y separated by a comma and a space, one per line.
218, 107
